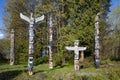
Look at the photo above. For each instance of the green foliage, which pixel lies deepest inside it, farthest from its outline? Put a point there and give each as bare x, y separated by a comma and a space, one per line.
72, 19
41, 60
57, 59
4, 49
114, 20
114, 74
13, 9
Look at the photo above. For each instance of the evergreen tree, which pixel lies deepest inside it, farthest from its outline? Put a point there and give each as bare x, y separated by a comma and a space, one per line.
72, 19
114, 19
79, 16
4, 49
13, 9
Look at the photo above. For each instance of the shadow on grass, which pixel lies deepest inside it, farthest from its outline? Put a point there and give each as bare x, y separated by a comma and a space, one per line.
38, 71
59, 67
9, 75
48, 70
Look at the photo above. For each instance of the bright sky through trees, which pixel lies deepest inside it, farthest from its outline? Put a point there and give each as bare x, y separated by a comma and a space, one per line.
2, 4
114, 3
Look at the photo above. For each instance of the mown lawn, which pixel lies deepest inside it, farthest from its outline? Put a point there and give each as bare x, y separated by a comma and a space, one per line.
42, 72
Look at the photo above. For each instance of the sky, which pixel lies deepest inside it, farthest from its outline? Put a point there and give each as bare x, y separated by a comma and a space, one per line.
114, 3
2, 4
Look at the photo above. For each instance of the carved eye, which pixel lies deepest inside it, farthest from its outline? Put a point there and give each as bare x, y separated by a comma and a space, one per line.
31, 59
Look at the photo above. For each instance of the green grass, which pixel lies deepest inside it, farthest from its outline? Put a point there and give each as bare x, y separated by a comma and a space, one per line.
7, 67
42, 72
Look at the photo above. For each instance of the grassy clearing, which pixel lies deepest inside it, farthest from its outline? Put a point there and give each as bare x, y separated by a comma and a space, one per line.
7, 67
42, 72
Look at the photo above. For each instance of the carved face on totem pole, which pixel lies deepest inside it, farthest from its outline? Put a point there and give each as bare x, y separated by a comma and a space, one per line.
76, 42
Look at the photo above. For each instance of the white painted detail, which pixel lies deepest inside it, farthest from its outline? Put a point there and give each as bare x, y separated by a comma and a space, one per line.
24, 17
39, 18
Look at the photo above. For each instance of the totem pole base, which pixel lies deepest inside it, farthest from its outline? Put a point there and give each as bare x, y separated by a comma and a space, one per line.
11, 62
97, 62
76, 65
50, 65
30, 73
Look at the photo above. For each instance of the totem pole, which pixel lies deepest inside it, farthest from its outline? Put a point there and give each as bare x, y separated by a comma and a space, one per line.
76, 50
50, 42
12, 55
31, 21
97, 47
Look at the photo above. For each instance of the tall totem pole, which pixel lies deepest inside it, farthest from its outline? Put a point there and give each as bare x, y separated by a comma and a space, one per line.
31, 22
50, 42
97, 46
12, 55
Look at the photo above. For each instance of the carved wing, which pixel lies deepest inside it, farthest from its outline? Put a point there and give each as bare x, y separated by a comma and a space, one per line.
24, 17
39, 18
69, 48
82, 48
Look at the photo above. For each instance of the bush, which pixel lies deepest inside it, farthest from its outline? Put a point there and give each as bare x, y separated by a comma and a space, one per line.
57, 60
114, 74
41, 60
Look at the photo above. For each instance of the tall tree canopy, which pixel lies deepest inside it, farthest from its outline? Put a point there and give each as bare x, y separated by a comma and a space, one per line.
114, 19
72, 19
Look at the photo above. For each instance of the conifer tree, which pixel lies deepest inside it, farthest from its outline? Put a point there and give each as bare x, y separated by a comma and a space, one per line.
13, 9
114, 19
72, 19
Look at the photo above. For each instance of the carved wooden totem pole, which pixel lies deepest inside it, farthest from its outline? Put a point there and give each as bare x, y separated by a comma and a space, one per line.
31, 22
50, 42
97, 47
12, 54
76, 50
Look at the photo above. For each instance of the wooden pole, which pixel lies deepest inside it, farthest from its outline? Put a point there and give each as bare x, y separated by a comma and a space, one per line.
31, 21
12, 55
50, 42
76, 50
97, 47
82, 56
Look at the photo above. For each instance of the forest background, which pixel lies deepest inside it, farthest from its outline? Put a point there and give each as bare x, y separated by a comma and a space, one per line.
72, 19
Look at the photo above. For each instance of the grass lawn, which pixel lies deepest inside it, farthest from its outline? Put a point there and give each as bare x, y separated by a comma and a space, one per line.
42, 72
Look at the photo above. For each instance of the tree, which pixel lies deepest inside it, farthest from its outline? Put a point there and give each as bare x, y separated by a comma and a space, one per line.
78, 22
114, 19
4, 49
72, 19
13, 9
